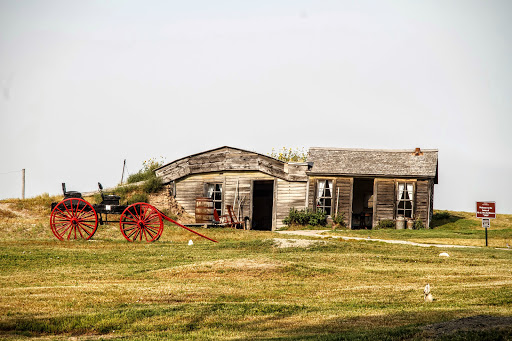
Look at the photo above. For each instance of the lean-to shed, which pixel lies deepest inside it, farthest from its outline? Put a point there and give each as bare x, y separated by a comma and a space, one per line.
368, 185
260, 188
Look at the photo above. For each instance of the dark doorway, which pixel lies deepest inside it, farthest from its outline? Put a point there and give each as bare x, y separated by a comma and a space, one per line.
362, 204
262, 204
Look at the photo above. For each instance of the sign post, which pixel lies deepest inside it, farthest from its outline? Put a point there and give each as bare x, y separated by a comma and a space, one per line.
486, 210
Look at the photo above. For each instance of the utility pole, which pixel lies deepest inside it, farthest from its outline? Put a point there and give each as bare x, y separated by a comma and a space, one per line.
23, 183
122, 175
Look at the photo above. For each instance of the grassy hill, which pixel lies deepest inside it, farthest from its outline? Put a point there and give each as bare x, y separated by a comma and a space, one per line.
248, 287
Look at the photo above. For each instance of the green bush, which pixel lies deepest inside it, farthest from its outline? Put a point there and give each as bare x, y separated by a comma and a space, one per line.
305, 217
386, 224
147, 171
339, 220
153, 185
418, 224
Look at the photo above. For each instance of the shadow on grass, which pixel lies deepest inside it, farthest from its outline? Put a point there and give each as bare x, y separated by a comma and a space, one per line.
259, 321
443, 218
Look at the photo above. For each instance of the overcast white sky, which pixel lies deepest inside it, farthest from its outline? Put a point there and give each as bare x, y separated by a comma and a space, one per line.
86, 84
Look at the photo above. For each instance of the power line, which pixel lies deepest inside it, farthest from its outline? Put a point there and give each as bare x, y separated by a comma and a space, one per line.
18, 171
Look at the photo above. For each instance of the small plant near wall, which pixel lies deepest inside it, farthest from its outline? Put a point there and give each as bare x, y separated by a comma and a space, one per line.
418, 224
386, 224
339, 221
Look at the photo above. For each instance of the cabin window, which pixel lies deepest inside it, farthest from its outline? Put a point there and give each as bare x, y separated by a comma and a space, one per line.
405, 199
324, 196
214, 191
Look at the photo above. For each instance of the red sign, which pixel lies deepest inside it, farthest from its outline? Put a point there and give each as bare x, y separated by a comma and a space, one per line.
486, 209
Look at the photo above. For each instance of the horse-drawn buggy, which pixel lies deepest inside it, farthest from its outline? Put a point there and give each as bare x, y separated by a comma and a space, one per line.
75, 218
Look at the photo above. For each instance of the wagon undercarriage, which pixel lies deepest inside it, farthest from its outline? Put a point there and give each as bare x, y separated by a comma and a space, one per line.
75, 218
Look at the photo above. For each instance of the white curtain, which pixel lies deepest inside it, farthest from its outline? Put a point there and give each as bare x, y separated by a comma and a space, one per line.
321, 187
409, 191
400, 191
329, 186
210, 190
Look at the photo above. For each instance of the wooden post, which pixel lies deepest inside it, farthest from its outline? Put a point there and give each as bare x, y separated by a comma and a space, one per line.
122, 175
23, 183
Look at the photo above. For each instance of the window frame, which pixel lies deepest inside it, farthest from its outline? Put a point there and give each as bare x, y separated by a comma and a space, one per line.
217, 203
401, 203
321, 199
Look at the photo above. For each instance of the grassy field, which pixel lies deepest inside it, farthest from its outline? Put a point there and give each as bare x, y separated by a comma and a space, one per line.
246, 287
461, 228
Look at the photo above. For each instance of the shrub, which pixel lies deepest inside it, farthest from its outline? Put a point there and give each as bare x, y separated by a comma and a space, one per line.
386, 224
418, 224
339, 220
146, 172
289, 155
153, 185
305, 217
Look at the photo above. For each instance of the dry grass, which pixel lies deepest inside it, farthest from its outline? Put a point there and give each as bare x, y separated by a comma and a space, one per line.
245, 287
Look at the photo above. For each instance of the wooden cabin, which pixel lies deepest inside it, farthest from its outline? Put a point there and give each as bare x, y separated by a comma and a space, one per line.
261, 189
366, 186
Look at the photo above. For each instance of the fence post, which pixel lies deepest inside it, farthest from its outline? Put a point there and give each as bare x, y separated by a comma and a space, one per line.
23, 183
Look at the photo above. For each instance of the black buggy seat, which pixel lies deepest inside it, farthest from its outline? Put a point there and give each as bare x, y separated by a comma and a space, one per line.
70, 194
108, 199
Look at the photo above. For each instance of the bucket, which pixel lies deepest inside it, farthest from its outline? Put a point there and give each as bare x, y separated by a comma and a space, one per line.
400, 223
204, 210
410, 224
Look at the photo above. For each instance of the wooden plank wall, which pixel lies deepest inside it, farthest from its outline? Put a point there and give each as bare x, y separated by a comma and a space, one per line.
192, 187
384, 200
289, 194
422, 201
346, 186
230, 159
431, 212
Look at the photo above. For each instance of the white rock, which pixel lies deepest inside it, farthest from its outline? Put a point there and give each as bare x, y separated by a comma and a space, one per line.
444, 254
190, 242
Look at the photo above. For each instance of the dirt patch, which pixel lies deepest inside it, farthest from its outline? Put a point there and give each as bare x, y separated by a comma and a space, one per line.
303, 243
7, 211
468, 324
243, 265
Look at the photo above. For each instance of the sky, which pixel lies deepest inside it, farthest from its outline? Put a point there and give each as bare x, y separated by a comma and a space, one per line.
88, 84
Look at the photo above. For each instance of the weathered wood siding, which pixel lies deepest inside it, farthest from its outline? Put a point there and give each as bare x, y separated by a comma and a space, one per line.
193, 186
422, 201
289, 194
384, 200
344, 204
231, 159
431, 204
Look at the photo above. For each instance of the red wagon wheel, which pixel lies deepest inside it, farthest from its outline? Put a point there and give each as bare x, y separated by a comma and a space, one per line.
73, 218
141, 221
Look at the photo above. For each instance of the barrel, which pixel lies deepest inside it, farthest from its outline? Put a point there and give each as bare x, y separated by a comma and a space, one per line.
400, 223
204, 210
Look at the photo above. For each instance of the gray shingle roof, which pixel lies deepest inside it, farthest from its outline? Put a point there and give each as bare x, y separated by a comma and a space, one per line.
369, 162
